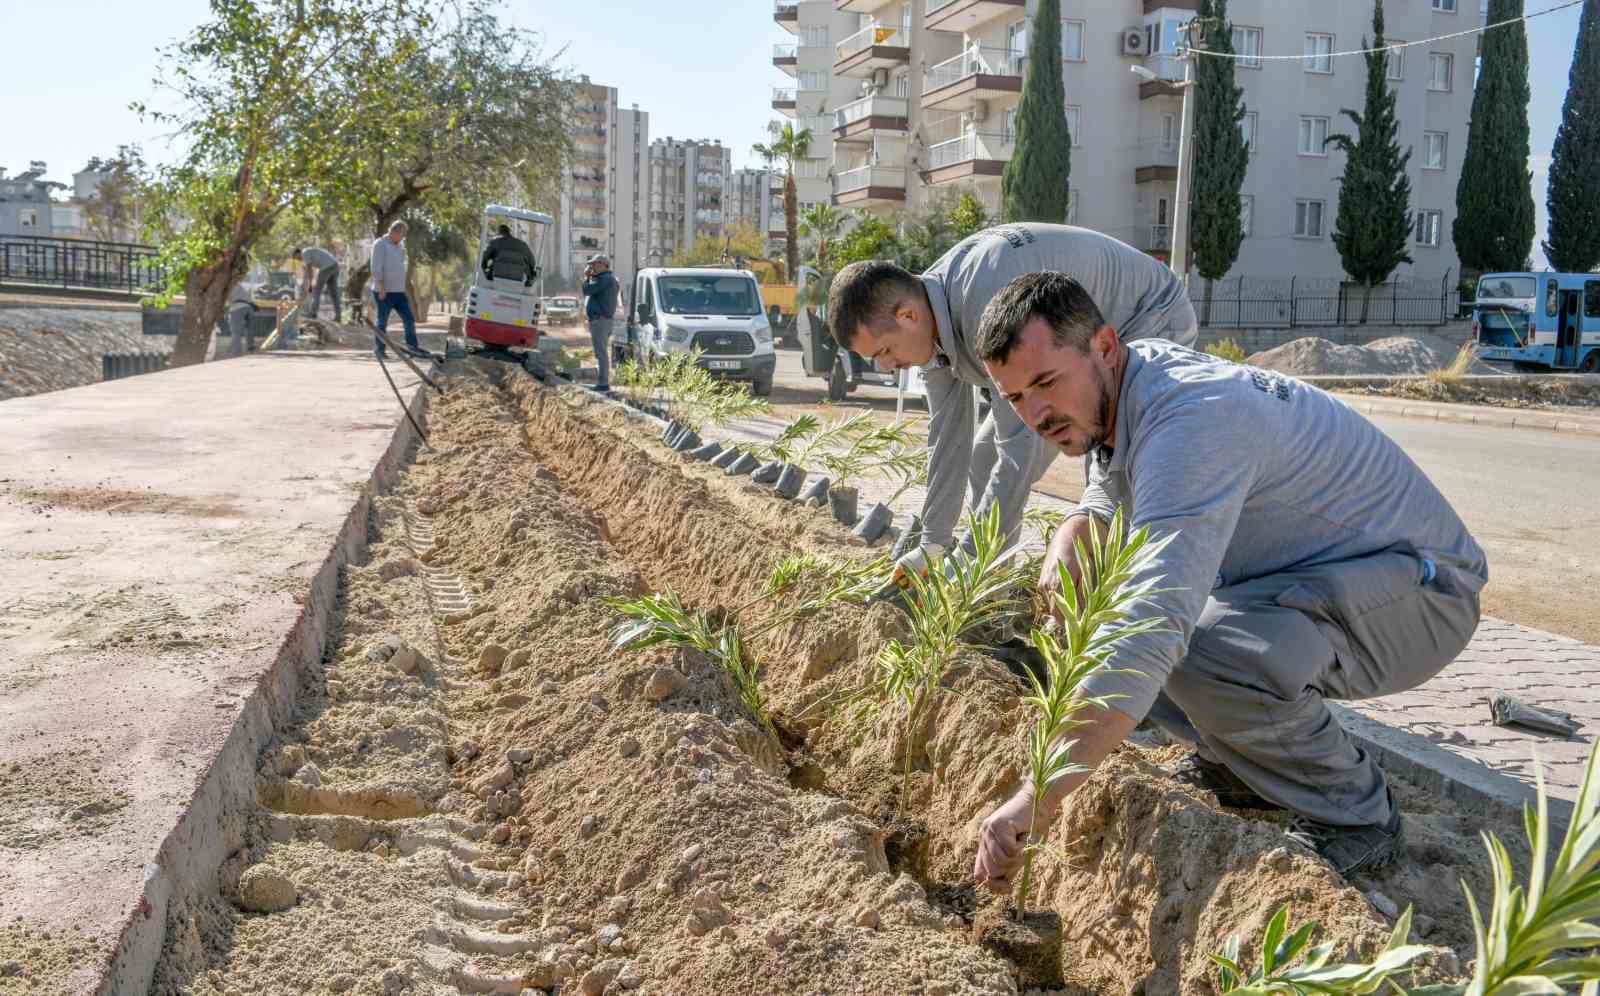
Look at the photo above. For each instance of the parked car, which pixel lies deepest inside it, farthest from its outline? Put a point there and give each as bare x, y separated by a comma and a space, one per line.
561, 310
718, 312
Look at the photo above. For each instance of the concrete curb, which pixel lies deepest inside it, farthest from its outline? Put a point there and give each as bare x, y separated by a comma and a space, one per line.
1505, 418
199, 844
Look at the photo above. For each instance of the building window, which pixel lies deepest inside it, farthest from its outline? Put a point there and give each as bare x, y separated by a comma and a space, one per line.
1169, 128
813, 80
1319, 53
1247, 214
1247, 45
28, 218
1248, 127
1434, 149
1447, 6
1313, 136
1397, 62
1428, 225
1074, 125
1072, 41
1440, 67
1308, 219
814, 37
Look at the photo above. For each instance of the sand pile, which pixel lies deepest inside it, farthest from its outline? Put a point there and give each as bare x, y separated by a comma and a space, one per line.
1396, 356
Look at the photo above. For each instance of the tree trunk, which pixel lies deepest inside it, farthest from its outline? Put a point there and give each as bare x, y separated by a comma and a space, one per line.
791, 224
1366, 299
419, 307
1205, 307
205, 295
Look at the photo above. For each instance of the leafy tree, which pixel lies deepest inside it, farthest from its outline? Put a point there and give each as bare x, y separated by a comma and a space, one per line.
1220, 155
1035, 184
116, 210
946, 219
871, 238
1573, 198
738, 242
822, 223
1373, 225
1494, 226
788, 145
969, 216
265, 131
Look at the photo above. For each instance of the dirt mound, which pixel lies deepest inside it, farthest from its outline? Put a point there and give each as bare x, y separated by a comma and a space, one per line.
1396, 356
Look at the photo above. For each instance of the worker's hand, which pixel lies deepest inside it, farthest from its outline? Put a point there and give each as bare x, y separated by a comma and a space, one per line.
1003, 838
1063, 551
915, 563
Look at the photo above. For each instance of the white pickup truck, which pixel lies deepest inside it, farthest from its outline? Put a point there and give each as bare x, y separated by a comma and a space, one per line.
718, 312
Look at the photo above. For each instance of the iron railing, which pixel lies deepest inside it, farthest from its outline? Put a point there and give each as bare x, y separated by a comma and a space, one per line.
972, 146
83, 263
975, 61
891, 35
872, 106
863, 177
1296, 302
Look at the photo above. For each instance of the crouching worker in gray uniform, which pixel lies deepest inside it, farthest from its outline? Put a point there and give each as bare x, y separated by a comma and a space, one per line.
887, 314
1310, 560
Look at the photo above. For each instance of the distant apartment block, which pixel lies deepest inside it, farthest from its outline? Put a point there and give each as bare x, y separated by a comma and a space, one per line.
25, 207
754, 197
605, 194
686, 183
939, 82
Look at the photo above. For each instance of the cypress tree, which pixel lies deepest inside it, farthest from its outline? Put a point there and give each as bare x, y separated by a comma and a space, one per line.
1220, 155
1373, 225
1493, 229
1035, 185
1573, 198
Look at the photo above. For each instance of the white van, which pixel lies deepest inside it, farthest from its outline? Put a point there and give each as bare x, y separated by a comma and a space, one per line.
718, 312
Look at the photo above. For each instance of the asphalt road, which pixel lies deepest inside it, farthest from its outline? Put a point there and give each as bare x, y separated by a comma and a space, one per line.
1529, 496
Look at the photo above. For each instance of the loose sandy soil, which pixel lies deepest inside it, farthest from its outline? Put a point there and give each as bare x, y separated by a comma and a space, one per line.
1578, 395
480, 795
1399, 355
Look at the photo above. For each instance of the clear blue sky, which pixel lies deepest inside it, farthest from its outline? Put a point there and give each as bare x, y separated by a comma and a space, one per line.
703, 69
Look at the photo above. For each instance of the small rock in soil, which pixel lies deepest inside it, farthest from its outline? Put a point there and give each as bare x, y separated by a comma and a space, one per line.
868, 918
518, 658
490, 659
663, 683
519, 755
309, 775
597, 978
1424, 924
405, 660
397, 567
265, 889
629, 747
1383, 904
608, 933
384, 647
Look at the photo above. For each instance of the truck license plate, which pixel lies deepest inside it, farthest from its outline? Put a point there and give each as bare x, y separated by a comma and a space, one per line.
722, 364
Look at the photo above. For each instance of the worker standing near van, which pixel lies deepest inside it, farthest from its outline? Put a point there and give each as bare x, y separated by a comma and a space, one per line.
601, 288
887, 314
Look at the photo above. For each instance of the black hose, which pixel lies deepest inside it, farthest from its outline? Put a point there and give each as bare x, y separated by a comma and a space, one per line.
384, 366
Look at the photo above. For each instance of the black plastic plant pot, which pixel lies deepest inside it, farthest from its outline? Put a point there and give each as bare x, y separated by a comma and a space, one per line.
767, 473
725, 459
789, 481
815, 493
686, 440
842, 503
744, 465
706, 452
671, 431
910, 536
874, 522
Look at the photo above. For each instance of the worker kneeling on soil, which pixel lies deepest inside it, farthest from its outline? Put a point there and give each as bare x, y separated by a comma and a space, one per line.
887, 314
1310, 560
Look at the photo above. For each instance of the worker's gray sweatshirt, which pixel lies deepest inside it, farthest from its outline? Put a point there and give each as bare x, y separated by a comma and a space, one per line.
1253, 473
318, 258
1138, 296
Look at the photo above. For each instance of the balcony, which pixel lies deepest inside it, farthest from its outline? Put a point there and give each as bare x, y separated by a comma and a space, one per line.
786, 58
879, 46
1151, 6
1156, 162
859, 6
973, 154
958, 83
783, 100
787, 14
966, 15
862, 120
1170, 70
869, 185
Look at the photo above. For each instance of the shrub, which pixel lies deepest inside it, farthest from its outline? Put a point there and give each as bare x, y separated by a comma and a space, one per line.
1227, 349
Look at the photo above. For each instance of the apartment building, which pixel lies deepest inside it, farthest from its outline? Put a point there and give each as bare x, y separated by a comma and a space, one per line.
606, 194
755, 197
943, 79
814, 92
686, 190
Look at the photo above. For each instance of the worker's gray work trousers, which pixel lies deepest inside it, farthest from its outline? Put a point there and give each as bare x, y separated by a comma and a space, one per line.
239, 330
327, 279
985, 453
1267, 653
600, 338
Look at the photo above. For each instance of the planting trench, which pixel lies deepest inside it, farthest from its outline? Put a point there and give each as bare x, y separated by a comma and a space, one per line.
480, 795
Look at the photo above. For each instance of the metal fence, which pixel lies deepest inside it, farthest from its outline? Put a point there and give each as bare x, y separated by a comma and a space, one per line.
1294, 302
83, 263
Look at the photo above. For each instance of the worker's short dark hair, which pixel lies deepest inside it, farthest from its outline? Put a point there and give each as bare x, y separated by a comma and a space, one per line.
866, 293
1060, 300
296, 254
505, 229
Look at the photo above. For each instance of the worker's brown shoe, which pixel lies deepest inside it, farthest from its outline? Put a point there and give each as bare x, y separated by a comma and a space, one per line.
1230, 790
1351, 849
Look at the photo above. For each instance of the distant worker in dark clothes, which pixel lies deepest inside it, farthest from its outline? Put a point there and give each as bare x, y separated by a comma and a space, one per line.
321, 270
508, 255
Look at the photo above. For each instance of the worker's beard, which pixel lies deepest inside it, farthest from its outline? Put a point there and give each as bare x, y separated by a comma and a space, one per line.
1093, 434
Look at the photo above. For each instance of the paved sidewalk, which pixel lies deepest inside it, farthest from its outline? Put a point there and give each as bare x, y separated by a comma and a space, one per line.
1440, 734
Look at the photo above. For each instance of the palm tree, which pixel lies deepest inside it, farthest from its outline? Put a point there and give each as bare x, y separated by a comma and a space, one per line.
788, 145
822, 222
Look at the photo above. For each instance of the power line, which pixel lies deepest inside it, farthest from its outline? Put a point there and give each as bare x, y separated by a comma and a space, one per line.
1387, 48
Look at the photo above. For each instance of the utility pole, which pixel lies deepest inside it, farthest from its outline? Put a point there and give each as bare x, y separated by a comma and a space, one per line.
1180, 224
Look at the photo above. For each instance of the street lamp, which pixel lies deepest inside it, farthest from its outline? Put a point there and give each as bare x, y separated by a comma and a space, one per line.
1180, 224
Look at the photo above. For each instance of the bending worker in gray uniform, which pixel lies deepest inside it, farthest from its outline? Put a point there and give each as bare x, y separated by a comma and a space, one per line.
900, 320
1310, 560
321, 272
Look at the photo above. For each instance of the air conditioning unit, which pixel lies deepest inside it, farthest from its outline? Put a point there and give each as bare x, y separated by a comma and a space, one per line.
880, 78
1134, 42
980, 111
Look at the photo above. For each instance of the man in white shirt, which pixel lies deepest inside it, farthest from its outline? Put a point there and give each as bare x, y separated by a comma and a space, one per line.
389, 284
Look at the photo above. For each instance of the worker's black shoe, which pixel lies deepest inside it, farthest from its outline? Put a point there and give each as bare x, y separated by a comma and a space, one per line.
1230, 790
1351, 849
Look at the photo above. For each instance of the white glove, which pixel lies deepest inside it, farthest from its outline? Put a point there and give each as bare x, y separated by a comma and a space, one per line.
916, 563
